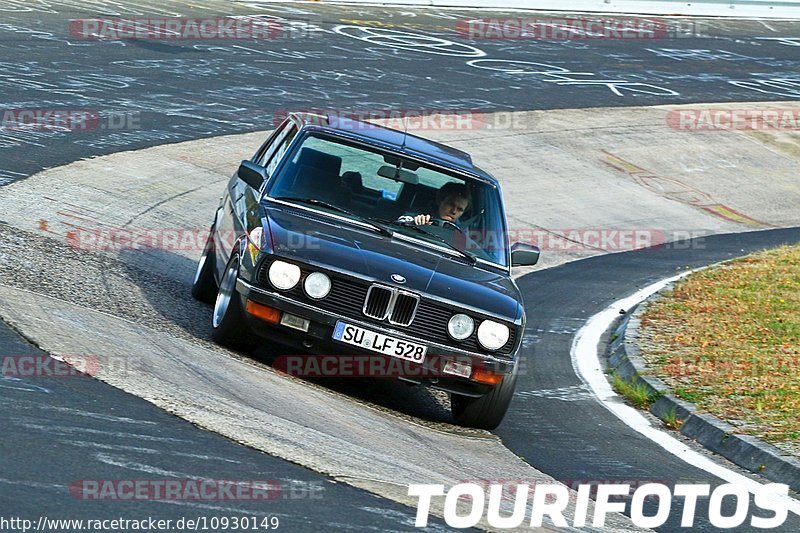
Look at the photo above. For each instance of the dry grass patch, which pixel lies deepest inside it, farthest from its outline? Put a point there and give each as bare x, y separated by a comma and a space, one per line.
728, 340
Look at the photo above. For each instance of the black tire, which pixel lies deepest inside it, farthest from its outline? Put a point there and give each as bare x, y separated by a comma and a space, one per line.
228, 325
487, 411
204, 286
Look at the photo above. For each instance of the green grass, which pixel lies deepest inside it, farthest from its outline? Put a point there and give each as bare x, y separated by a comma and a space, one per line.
636, 393
728, 340
671, 418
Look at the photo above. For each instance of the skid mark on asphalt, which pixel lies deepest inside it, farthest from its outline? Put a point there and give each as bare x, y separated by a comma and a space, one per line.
566, 394
18, 384
208, 507
96, 416
151, 451
565, 326
678, 191
6, 177
74, 430
122, 461
529, 340
33, 484
558, 326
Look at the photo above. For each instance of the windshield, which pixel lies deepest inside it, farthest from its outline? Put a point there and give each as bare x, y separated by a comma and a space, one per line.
359, 182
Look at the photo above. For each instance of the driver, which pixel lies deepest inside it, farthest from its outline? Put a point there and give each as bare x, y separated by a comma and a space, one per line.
452, 199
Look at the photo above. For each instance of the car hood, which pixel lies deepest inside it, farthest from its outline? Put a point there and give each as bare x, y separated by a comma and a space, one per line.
320, 240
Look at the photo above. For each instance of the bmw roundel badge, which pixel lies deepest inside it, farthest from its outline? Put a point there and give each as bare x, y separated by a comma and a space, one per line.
397, 278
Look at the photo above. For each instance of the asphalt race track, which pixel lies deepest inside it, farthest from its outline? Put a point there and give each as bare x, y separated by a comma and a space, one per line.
179, 91
342, 453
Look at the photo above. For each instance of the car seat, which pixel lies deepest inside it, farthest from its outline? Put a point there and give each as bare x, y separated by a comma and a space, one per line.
316, 175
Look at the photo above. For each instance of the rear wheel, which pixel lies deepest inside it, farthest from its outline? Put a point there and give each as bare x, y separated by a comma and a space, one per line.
204, 286
487, 411
229, 326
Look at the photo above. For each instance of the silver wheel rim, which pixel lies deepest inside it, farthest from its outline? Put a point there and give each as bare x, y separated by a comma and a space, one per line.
226, 288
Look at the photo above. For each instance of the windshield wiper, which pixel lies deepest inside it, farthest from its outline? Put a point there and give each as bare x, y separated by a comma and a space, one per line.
471, 258
313, 201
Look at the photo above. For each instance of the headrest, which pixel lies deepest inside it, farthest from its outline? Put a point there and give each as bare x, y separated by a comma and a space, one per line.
352, 180
331, 164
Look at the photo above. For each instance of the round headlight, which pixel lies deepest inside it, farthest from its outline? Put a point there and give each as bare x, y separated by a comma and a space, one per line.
460, 326
284, 275
317, 285
492, 335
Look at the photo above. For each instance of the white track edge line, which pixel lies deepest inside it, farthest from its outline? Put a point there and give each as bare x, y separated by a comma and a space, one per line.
586, 363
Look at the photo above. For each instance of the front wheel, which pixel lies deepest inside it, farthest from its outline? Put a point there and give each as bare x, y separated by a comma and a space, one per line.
229, 327
487, 411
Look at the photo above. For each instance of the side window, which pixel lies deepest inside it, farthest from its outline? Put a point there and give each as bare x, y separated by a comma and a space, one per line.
269, 144
276, 140
279, 148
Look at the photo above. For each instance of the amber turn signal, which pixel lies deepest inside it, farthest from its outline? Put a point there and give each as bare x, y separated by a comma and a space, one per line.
485, 376
263, 312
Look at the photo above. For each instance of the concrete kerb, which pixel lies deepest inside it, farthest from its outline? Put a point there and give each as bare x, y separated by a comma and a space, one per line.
624, 358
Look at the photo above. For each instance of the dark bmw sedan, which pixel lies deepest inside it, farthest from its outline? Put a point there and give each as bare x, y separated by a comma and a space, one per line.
344, 239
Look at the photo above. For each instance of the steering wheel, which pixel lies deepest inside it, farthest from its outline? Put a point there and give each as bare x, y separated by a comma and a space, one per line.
445, 224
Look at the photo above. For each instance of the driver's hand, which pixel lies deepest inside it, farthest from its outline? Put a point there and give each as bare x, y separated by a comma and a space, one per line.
421, 220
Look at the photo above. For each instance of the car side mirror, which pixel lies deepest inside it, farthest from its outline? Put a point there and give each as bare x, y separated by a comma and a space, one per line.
524, 254
252, 174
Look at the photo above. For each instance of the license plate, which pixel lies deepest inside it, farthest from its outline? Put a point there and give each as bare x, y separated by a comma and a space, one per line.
378, 342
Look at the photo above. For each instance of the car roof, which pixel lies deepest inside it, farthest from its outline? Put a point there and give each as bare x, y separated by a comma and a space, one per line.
395, 140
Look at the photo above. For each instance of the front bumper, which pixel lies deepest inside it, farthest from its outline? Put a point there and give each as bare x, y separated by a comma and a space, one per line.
319, 340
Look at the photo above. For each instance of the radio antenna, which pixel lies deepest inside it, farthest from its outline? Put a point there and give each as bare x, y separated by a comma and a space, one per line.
402, 147
405, 132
